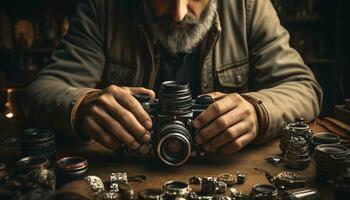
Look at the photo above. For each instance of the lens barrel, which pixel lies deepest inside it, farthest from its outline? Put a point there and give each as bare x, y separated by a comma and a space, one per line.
298, 128
330, 160
264, 192
173, 145
175, 98
323, 138
38, 142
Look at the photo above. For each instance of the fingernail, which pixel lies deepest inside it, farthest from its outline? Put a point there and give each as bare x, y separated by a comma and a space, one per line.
148, 124
199, 139
135, 146
146, 137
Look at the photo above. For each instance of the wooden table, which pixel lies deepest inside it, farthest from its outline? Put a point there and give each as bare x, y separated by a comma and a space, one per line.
102, 163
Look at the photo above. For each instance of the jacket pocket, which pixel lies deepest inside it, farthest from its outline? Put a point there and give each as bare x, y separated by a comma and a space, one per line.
233, 77
120, 73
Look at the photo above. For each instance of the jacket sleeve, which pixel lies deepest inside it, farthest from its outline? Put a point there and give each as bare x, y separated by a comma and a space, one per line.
282, 86
77, 66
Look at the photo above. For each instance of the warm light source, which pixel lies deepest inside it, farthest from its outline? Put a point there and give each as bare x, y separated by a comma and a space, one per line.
9, 115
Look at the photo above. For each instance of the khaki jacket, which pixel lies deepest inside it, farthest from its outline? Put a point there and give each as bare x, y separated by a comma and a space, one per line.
247, 51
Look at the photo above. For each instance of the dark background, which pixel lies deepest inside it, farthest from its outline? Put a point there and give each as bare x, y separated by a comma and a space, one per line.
319, 31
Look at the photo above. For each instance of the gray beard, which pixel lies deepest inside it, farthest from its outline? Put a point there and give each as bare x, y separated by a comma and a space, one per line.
176, 40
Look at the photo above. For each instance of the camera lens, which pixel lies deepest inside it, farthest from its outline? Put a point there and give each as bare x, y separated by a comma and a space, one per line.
173, 146
299, 128
330, 159
262, 191
323, 138
176, 189
204, 100
38, 142
175, 98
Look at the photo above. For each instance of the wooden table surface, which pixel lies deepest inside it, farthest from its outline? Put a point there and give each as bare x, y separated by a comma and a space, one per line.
102, 163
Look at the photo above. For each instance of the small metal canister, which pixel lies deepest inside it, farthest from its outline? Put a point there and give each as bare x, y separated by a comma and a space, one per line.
298, 128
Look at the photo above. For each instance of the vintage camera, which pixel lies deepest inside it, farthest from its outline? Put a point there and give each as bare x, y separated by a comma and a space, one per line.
172, 135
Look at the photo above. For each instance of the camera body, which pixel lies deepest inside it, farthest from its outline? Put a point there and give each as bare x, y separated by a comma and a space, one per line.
172, 134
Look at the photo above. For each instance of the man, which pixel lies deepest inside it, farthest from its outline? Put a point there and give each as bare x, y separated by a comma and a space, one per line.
234, 50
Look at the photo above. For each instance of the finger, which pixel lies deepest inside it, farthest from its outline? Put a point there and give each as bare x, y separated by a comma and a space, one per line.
131, 104
216, 109
228, 135
238, 144
117, 129
99, 134
141, 90
220, 124
216, 95
126, 118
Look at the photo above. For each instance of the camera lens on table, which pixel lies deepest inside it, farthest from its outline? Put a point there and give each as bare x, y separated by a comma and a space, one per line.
264, 192
298, 128
38, 142
323, 138
69, 169
27, 164
330, 160
176, 189
297, 155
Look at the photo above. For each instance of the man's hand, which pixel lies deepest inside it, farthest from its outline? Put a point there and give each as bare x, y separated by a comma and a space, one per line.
227, 125
114, 115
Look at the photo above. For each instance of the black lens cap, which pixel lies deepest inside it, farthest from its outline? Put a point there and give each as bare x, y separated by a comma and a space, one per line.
325, 137
205, 99
332, 149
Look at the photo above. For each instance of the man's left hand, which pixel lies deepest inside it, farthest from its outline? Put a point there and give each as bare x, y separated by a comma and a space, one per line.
227, 125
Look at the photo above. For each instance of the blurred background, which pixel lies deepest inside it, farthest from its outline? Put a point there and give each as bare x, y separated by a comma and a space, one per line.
30, 30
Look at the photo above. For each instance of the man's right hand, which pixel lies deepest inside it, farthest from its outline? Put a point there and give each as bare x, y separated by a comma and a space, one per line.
114, 115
